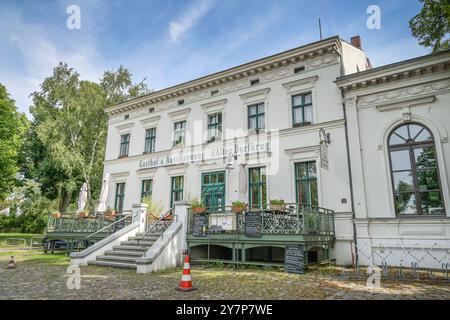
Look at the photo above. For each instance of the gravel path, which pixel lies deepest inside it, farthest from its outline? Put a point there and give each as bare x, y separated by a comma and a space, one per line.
48, 281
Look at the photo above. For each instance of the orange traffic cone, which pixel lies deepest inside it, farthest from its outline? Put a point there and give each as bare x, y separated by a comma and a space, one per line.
11, 264
186, 278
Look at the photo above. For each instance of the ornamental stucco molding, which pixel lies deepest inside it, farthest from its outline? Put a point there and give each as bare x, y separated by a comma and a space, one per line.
403, 93
282, 70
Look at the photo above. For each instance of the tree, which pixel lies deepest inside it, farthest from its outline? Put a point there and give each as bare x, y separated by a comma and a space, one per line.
69, 130
432, 25
12, 127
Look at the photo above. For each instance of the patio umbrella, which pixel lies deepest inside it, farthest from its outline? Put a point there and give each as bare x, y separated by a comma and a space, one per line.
103, 194
82, 199
242, 182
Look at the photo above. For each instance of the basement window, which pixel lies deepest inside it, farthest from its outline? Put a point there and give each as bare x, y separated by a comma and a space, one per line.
299, 69
254, 82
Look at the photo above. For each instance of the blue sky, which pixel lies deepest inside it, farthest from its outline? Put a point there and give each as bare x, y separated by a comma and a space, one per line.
172, 41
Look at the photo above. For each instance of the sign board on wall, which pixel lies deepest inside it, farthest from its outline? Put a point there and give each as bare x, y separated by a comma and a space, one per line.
253, 224
200, 225
324, 156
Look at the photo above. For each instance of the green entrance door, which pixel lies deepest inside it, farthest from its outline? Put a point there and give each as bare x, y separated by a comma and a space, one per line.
213, 189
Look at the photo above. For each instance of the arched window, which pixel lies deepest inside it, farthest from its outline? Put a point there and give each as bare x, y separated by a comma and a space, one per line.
415, 171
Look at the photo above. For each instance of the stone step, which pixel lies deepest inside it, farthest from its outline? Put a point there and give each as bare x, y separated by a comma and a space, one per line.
113, 264
155, 232
117, 258
128, 253
141, 243
130, 248
147, 237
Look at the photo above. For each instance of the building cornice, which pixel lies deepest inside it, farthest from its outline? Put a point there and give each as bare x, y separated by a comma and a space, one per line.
405, 70
247, 70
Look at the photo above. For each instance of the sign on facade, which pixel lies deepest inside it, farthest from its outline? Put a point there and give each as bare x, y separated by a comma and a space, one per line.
212, 153
200, 225
324, 156
253, 224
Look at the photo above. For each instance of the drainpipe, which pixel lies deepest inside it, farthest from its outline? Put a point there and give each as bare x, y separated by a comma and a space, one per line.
347, 145
352, 201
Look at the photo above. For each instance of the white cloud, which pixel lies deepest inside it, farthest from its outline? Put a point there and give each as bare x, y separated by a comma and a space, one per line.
189, 19
37, 54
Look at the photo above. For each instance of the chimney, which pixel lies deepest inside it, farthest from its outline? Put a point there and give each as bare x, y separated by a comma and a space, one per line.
356, 42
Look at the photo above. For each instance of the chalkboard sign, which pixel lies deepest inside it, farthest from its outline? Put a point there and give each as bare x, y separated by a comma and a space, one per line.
253, 224
200, 223
294, 259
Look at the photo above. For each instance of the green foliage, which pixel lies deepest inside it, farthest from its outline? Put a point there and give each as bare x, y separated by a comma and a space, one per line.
28, 209
432, 25
197, 203
66, 142
12, 126
154, 208
277, 201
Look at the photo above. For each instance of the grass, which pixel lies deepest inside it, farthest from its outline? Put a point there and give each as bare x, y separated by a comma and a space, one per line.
34, 257
26, 236
27, 256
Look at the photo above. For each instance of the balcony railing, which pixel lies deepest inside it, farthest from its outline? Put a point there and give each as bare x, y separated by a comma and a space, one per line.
75, 224
295, 219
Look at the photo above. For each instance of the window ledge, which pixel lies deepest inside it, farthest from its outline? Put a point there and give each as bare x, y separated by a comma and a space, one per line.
302, 124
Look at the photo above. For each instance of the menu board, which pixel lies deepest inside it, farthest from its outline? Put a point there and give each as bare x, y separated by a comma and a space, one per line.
253, 224
200, 224
294, 259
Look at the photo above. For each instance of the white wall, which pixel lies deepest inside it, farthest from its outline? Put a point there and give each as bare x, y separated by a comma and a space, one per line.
373, 112
295, 144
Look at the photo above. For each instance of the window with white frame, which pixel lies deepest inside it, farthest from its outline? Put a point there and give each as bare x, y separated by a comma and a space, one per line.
256, 116
179, 133
214, 125
302, 109
415, 171
124, 145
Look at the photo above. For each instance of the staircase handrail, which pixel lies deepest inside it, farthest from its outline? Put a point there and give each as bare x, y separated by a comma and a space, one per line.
161, 218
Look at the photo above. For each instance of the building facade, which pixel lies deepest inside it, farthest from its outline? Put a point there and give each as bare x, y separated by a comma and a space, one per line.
398, 120
251, 133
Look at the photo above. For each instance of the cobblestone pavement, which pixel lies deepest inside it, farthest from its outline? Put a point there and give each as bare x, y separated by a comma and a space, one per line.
43, 280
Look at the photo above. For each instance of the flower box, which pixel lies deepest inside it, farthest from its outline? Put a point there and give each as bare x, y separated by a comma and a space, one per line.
278, 207
199, 210
238, 207
84, 214
56, 215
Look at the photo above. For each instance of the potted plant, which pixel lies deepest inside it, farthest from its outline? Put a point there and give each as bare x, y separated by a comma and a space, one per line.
84, 214
110, 213
197, 206
154, 209
238, 206
56, 214
277, 205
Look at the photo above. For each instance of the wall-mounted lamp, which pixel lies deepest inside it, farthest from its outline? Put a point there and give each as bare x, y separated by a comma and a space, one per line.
325, 137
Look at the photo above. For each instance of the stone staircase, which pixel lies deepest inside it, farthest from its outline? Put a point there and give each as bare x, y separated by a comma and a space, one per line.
125, 255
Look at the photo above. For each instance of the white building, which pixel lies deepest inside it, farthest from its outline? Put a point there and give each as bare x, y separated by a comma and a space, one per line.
255, 132
398, 122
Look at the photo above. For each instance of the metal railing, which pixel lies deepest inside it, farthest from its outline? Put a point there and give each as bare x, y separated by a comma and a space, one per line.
92, 224
161, 224
291, 219
113, 227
